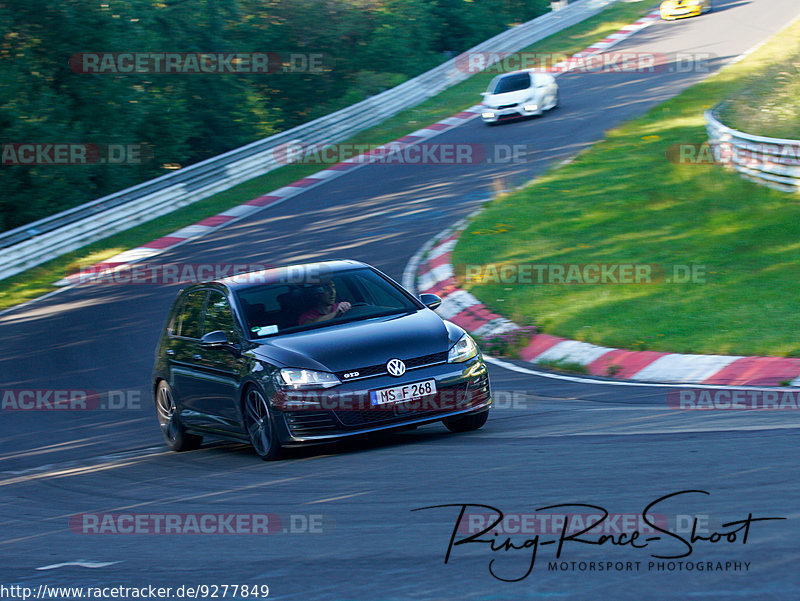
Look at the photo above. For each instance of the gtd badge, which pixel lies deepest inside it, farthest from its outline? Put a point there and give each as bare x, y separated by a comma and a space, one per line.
395, 367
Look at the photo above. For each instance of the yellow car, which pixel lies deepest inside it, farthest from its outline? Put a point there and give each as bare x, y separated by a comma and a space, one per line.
678, 9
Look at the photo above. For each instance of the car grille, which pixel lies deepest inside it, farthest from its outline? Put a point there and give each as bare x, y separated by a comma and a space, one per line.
380, 370
507, 106
310, 423
431, 359
363, 418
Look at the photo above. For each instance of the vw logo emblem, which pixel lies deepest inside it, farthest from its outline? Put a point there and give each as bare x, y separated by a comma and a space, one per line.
395, 367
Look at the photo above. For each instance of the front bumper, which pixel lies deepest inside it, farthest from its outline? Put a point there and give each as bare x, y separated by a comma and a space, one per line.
516, 112
345, 410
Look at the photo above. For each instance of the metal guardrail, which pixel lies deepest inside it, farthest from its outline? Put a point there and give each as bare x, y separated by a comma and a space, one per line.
773, 162
42, 240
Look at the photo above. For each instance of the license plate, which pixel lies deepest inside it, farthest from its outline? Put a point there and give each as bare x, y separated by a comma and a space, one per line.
406, 392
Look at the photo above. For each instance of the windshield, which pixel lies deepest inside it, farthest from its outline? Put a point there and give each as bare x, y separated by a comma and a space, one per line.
320, 301
510, 83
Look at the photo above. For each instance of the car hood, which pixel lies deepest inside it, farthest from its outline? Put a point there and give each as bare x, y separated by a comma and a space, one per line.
363, 343
495, 100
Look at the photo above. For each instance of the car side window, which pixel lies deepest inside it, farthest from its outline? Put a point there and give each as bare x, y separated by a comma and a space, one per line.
219, 315
190, 323
174, 324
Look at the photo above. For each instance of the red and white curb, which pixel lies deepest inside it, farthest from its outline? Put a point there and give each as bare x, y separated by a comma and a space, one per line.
430, 271
210, 224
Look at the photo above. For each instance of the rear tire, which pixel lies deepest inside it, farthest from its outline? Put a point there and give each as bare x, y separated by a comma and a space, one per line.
175, 434
466, 423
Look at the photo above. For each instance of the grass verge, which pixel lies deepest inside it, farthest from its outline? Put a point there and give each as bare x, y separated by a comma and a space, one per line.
623, 202
39, 280
769, 105
507, 344
567, 366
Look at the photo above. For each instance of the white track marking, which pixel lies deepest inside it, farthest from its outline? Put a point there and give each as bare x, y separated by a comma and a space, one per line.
581, 380
82, 563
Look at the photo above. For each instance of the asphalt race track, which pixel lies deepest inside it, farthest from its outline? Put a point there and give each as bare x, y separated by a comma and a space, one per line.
347, 530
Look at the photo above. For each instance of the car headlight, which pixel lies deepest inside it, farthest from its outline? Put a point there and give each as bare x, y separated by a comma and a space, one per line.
462, 350
306, 378
531, 107
487, 114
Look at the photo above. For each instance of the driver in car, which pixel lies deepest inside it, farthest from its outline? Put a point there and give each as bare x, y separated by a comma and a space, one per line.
324, 305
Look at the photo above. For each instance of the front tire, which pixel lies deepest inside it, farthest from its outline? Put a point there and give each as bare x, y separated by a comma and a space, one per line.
259, 424
466, 423
174, 433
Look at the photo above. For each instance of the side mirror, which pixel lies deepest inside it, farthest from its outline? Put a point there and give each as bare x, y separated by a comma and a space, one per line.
216, 339
430, 300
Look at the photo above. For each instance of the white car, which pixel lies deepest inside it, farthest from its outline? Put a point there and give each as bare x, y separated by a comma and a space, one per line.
519, 94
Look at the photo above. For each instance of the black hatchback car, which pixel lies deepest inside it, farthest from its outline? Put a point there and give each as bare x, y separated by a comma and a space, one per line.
308, 354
